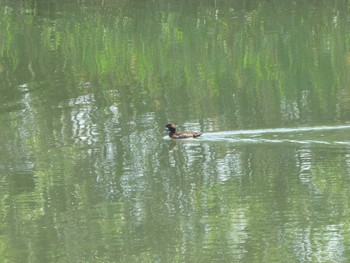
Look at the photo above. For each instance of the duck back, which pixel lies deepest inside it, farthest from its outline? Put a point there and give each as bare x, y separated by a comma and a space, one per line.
184, 135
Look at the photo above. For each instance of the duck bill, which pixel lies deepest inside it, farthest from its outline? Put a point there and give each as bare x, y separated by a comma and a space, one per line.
166, 130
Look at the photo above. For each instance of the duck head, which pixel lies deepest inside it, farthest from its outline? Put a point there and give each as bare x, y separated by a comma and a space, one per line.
170, 128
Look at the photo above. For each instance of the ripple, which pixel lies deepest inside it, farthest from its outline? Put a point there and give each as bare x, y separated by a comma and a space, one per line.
279, 130
299, 135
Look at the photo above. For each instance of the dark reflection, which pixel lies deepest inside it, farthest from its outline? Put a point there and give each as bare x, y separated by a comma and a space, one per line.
21, 182
46, 9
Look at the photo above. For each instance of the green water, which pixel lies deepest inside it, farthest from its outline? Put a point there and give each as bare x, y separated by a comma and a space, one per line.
87, 174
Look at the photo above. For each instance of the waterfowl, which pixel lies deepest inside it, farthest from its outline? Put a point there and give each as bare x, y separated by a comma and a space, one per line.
171, 128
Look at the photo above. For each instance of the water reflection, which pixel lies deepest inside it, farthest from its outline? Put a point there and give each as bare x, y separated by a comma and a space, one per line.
326, 241
87, 175
220, 195
81, 109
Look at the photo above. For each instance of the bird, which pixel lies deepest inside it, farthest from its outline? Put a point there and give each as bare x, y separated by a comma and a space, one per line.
171, 128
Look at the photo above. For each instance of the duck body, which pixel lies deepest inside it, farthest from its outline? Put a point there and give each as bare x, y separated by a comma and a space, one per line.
171, 128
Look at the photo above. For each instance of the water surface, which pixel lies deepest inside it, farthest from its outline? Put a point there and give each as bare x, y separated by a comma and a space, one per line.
87, 87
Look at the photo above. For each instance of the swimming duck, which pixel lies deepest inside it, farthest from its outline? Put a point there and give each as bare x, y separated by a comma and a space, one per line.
182, 135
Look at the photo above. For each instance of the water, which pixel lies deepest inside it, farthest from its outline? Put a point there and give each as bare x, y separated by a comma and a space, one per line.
300, 135
87, 174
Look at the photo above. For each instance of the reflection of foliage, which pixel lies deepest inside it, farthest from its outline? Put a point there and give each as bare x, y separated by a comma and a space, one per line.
262, 64
218, 53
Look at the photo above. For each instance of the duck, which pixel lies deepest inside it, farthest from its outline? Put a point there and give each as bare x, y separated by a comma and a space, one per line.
171, 128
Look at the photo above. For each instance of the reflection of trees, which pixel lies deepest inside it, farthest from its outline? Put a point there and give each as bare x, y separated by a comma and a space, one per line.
242, 53
105, 75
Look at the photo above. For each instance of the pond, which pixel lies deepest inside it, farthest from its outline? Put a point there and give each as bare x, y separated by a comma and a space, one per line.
87, 174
